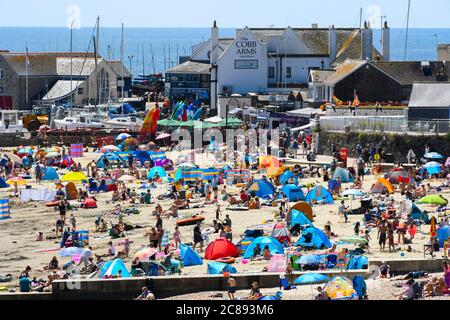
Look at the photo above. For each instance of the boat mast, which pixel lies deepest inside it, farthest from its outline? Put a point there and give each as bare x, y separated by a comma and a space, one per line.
153, 60
407, 30
143, 61
71, 64
121, 60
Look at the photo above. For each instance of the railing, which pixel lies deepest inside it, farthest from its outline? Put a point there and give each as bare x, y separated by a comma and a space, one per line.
394, 124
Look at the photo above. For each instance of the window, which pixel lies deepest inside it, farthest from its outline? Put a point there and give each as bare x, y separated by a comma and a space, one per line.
1, 74
2, 90
80, 91
271, 72
288, 72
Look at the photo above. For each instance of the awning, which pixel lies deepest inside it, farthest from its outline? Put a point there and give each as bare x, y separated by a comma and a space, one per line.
312, 124
235, 111
62, 89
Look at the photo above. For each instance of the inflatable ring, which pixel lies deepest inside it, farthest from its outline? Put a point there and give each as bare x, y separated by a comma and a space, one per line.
190, 221
227, 260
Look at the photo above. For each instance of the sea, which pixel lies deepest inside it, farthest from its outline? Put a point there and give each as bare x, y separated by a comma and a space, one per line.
153, 50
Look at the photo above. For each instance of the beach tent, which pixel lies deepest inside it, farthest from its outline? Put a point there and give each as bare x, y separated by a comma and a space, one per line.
189, 256
73, 176
142, 156
112, 268
340, 288
3, 184
344, 174
50, 174
293, 192
71, 191
417, 214
286, 176
396, 175
275, 247
262, 188
443, 234
220, 268
358, 263
300, 218
221, 248
314, 238
156, 171
319, 194
281, 233
277, 263
111, 157
90, 203
382, 185
360, 286
4, 209
303, 207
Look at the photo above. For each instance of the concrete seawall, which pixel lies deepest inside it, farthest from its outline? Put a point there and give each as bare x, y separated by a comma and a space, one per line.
166, 286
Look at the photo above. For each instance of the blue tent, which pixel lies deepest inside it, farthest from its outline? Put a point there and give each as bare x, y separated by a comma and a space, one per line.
189, 256
319, 194
293, 193
314, 238
219, 268
358, 263
288, 175
274, 245
50, 174
156, 171
299, 218
443, 234
262, 188
360, 286
3, 184
112, 267
344, 174
112, 157
142, 156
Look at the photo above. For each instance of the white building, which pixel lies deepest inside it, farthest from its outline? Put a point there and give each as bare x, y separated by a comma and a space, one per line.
276, 60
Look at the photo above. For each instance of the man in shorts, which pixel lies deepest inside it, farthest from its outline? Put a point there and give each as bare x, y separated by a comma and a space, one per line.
231, 283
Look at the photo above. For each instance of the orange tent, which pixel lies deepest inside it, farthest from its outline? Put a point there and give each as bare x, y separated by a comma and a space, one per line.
302, 207
382, 184
271, 164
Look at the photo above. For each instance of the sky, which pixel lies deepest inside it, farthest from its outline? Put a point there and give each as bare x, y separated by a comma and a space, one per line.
228, 13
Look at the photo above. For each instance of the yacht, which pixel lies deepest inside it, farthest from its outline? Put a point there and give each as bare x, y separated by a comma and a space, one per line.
131, 123
78, 122
10, 121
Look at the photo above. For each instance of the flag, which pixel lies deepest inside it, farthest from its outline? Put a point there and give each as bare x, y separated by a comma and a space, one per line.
356, 101
336, 101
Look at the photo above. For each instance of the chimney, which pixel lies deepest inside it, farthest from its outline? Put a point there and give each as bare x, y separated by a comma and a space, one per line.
332, 50
367, 42
386, 42
214, 43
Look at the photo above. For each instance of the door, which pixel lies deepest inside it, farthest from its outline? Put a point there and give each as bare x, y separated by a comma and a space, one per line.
6, 102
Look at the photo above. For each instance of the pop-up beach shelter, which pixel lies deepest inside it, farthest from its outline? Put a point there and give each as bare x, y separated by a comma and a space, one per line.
319, 194
358, 263
3, 184
50, 174
219, 268
112, 268
221, 248
288, 175
275, 247
281, 233
300, 218
340, 288
443, 234
293, 193
142, 156
314, 238
303, 207
382, 185
344, 174
111, 157
156, 171
262, 188
189, 256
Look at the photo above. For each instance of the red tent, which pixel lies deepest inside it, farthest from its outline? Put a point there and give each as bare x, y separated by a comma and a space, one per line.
281, 233
221, 248
90, 203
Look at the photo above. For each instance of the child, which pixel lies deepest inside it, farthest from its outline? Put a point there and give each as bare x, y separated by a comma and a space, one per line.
368, 238
391, 240
177, 237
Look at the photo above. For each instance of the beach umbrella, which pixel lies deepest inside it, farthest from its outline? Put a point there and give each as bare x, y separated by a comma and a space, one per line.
74, 176
52, 155
354, 239
186, 165
25, 151
269, 298
434, 199
18, 180
13, 157
309, 259
215, 119
145, 254
433, 155
311, 278
123, 136
110, 148
432, 164
68, 252
353, 192
163, 136
126, 178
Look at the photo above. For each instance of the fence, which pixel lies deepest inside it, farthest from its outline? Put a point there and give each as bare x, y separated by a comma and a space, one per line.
393, 124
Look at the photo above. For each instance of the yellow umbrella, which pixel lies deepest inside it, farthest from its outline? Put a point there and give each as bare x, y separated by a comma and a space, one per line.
74, 177
18, 180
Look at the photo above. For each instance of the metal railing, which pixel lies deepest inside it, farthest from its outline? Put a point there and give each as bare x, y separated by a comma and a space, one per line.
393, 124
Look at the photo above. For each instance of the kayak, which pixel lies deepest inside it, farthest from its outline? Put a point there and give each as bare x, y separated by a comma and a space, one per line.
52, 204
190, 221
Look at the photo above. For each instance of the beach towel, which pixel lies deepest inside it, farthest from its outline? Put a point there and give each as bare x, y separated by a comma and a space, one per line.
4, 209
76, 150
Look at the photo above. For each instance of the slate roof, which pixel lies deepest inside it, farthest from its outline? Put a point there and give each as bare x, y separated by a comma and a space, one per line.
191, 67
430, 95
61, 89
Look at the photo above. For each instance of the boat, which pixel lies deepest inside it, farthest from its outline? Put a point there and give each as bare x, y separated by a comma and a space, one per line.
132, 123
78, 122
11, 122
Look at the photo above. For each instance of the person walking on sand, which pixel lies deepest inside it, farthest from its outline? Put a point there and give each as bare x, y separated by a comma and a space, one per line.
177, 238
198, 238
382, 235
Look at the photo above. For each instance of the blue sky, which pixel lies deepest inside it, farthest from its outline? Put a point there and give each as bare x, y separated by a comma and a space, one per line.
228, 13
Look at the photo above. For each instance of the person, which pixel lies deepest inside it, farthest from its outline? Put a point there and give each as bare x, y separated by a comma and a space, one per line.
62, 210
231, 283
54, 264
85, 255
408, 293
218, 212
323, 295
342, 211
25, 284
177, 237
411, 156
266, 253
256, 251
384, 270
159, 222
382, 235
361, 169
227, 221
146, 295
198, 238
73, 221
25, 273
391, 240
255, 293
446, 270
356, 228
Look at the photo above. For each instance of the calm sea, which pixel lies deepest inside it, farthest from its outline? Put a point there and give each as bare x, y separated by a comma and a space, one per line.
165, 45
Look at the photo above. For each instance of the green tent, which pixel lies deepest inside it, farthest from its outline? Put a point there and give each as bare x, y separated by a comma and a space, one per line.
169, 123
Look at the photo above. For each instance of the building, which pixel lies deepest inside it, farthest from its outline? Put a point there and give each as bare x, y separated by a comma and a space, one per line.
271, 60
383, 81
430, 101
58, 78
443, 52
